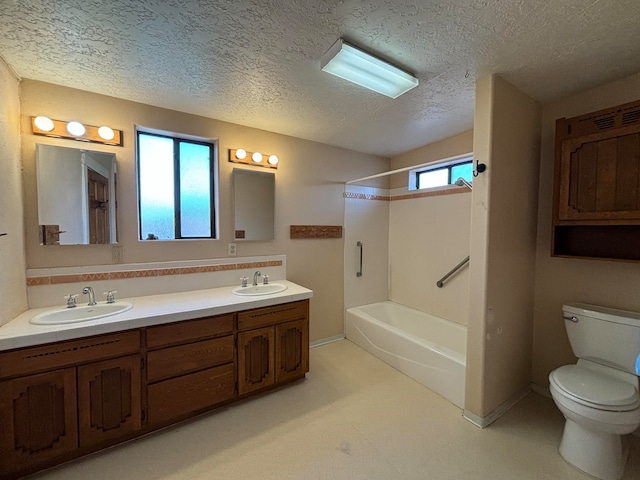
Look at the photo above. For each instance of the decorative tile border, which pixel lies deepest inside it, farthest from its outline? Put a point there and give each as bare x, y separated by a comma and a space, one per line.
366, 196
315, 231
407, 196
155, 272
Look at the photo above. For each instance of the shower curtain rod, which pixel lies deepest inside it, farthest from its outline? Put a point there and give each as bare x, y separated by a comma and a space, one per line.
405, 169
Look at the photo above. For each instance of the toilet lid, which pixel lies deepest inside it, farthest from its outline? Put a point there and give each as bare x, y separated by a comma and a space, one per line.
595, 387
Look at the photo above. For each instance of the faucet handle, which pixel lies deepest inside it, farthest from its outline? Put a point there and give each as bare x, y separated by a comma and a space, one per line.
71, 300
265, 279
111, 298
243, 281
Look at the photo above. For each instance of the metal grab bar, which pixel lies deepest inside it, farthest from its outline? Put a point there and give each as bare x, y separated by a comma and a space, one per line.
359, 272
440, 282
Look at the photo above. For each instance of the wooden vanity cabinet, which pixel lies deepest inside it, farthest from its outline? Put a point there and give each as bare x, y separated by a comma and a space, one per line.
190, 367
596, 210
62, 400
273, 346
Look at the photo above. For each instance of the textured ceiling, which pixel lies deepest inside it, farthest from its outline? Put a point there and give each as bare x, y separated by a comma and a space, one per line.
257, 63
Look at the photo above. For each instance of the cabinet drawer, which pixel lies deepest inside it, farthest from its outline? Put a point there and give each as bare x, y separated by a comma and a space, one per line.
181, 332
73, 352
261, 317
174, 398
172, 361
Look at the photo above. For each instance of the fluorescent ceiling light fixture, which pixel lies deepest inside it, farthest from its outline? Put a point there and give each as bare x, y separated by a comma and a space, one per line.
357, 66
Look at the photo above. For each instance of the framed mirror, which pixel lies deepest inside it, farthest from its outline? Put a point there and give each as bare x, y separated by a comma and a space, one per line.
254, 204
76, 196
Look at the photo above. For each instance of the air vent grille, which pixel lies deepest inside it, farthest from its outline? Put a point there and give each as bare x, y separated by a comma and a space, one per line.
604, 123
629, 118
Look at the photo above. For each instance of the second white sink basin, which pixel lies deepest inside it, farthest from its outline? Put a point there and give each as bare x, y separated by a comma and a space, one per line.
80, 314
261, 289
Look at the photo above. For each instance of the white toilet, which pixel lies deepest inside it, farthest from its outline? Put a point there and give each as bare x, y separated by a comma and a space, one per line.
599, 395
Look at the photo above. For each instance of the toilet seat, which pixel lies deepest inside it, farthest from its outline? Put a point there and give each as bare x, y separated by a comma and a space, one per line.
595, 389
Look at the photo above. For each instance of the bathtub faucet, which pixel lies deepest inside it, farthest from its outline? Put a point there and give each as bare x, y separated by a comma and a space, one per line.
255, 277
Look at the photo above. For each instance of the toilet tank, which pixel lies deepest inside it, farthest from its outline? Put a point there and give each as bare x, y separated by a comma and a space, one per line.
603, 335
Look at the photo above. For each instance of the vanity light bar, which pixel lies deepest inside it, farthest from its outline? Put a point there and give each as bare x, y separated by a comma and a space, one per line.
75, 131
258, 159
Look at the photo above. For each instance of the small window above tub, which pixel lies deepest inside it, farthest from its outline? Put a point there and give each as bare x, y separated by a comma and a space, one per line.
441, 174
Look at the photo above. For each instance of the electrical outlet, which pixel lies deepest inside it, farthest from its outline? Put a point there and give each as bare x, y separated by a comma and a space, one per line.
231, 249
117, 254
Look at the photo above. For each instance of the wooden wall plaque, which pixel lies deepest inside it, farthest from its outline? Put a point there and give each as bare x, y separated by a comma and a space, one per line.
315, 231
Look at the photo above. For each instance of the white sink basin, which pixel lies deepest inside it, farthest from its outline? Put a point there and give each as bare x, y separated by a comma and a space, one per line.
261, 289
80, 314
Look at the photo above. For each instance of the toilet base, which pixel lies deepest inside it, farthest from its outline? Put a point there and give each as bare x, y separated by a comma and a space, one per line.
602, 455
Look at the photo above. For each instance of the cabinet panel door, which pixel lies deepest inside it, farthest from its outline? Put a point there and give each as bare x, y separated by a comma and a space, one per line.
38, 419
109, 399
599, 178
292, 350
174, 398
255, 359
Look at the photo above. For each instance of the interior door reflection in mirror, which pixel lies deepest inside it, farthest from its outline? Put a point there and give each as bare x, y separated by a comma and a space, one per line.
254, 200
76, 196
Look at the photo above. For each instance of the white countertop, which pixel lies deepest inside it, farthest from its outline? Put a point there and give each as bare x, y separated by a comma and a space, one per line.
146, 311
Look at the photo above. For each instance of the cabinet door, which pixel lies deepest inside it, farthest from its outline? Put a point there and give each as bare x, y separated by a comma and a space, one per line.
109, 399
599, 177
38, 420
255, 359
292, 350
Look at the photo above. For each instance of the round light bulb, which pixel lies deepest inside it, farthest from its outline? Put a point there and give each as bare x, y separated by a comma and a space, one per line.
256, 157
241, 154
76, 129
273, 160
106, 133
44, 123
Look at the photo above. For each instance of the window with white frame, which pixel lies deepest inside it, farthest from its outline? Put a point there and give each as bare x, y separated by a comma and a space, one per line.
177, 182
440, 175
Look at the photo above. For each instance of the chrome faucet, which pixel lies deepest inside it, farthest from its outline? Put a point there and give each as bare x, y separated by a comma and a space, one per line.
255, 277
92, 297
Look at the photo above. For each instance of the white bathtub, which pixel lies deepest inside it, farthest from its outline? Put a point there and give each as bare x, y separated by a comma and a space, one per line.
427, 348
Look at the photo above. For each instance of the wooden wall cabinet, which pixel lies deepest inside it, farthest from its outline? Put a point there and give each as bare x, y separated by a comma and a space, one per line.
63, 400
597, 185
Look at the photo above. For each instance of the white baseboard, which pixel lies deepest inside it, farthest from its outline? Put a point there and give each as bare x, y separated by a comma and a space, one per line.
324, 341
541, 390
483, 422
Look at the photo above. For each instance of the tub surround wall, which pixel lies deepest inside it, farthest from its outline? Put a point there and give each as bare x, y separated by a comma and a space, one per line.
567, 280
12, 253
503, 230
427, 237
366, 220
309, 187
